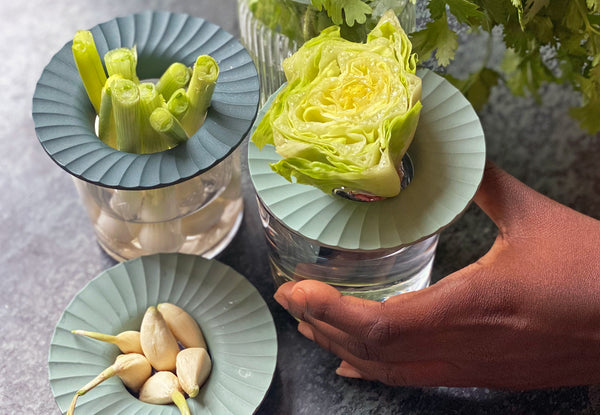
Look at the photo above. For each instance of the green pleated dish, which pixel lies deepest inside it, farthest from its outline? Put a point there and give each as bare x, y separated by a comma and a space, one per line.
235, 320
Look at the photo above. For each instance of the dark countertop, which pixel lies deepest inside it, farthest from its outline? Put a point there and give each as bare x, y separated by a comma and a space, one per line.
49, 251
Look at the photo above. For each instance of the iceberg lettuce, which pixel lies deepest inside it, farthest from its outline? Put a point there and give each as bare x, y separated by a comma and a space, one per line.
348, 112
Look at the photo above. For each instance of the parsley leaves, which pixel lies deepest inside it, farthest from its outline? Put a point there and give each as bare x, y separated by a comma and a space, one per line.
569, 29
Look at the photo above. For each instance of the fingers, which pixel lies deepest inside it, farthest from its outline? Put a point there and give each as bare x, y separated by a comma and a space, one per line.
403, 373
326, 335
348, 371
369, 330
354, 366
313, 300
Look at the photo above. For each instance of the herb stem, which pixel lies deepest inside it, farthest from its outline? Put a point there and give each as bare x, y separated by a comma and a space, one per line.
584, 12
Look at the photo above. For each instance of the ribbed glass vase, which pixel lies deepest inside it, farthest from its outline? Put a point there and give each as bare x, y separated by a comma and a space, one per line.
271, 30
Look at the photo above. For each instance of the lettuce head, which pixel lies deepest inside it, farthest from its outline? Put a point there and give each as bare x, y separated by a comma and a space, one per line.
348, 112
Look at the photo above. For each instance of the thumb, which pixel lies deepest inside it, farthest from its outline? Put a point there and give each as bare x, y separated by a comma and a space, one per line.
311, 300
507, 201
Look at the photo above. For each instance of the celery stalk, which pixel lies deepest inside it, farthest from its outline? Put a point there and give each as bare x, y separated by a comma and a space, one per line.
199, 92
176, 76
165, 123
89, 66
150, 99
125, 102
122, 61
178, 104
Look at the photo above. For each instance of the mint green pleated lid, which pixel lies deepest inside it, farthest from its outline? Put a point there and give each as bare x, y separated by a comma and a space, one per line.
448, 156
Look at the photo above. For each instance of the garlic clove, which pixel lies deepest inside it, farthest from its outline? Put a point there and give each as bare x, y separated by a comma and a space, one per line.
158, 343
133, 369
115, 229
127, 341
161, 236
203, 219
159, 388
163, 388
182, 325
193, 367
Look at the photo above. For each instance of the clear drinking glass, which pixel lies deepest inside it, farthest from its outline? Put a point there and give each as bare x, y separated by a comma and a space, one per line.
198, 216
272, 30
370, 274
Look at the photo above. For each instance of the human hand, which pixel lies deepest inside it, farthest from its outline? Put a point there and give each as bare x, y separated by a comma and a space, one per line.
525, 315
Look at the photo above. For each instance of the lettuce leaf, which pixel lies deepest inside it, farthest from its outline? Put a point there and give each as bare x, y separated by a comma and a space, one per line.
348, 112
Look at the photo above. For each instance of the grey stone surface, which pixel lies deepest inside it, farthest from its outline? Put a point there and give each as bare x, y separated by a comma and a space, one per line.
49, 252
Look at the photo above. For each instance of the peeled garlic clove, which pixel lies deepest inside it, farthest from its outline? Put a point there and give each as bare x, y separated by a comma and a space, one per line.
157, 341
204, 219
193, 368
127, 203
158, 205
163, 388
133, 369
114, 229
159, 388
161, 236
190, 194
182, 325
127, 341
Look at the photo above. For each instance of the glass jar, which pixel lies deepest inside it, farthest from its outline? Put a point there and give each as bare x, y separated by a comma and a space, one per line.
199, 216
370, 274
272, 30
185, 199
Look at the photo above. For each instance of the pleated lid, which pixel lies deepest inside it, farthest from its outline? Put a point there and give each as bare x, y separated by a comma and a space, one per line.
64, 118
448, 156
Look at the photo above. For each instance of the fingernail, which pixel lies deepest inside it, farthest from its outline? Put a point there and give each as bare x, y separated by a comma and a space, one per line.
306, 330
348, 372
281, 299
299, 309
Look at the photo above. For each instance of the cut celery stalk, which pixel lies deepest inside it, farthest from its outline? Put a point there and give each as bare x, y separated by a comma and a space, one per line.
175, 77
122, 61
204, 78
165, 123
89, 66
178, 104
125, 102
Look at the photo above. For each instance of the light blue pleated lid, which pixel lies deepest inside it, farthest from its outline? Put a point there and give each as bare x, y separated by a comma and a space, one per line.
448, 156
64, 117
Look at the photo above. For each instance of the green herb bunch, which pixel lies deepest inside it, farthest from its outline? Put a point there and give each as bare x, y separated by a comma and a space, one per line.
568, 30
301, 20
